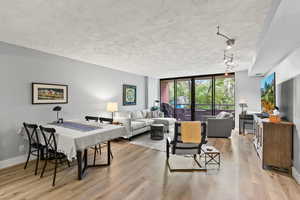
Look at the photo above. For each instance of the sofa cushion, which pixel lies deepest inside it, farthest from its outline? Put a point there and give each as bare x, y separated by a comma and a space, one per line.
155, 114
137, 115
147, 121
137, 125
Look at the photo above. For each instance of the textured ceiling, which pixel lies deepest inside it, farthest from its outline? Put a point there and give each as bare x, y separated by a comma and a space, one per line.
159, 38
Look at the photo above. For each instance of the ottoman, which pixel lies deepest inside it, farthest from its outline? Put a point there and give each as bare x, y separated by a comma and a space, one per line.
157, 131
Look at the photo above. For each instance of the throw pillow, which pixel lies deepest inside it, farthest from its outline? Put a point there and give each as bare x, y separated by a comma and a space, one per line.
149, 114
145, 113
155, 114
136, 115
161, 115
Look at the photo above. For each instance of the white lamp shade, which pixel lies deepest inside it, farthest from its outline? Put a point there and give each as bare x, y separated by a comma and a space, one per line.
112, 107
243, 101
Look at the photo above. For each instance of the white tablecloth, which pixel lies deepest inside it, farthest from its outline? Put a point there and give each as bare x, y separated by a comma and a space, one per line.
69, 141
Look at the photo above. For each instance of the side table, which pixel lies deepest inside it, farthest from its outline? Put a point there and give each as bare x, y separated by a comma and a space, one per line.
211, 155
157, 131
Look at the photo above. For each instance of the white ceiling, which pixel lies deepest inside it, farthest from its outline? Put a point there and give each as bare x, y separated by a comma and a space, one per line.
159, 38
280, 38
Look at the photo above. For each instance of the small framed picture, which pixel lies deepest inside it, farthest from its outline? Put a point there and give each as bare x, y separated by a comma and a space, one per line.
44, 93
129, 95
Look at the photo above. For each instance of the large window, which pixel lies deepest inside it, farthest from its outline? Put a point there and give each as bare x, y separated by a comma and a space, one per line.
167, 97
224, 94
194, 97
183, 99
203, 97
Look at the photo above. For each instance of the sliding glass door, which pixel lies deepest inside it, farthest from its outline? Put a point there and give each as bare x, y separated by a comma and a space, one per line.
183, 99
167, 95
224, 94
203, 97
193, 98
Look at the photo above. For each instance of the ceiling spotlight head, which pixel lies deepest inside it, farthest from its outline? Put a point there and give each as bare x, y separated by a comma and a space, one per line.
228, 47
230, 43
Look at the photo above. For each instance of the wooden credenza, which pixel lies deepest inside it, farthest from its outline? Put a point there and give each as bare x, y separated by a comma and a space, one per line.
274, 143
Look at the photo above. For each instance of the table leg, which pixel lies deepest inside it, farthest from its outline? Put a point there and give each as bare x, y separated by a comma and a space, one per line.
42, 152
240, 126
82, 161
85, 157
79, 164
108, 153
108, 157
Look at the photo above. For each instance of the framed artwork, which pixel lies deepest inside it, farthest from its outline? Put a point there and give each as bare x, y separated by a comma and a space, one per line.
129, 95
44, 93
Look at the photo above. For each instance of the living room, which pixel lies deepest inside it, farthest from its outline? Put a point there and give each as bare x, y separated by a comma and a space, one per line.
122, 85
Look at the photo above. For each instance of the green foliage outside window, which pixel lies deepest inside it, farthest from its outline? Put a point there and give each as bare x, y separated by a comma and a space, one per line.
224, 93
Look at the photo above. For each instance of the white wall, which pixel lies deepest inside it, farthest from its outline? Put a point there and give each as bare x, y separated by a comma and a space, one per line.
90, 88
153, 91
288, 68
247, 88
296, 120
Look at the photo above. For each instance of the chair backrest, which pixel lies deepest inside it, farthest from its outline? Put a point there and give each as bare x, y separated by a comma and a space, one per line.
177, 138
91, 118
103, 119
49, 138
31, 132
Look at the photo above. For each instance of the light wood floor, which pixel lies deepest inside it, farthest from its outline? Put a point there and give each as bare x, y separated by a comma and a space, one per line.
140, 173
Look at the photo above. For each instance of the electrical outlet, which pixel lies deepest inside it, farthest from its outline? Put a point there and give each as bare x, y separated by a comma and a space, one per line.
21, 148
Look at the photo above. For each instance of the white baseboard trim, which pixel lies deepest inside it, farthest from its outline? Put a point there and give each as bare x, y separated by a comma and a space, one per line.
13, 161
296, 174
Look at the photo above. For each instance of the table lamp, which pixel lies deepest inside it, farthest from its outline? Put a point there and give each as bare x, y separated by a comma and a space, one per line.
57, 109
112, 107
243, 104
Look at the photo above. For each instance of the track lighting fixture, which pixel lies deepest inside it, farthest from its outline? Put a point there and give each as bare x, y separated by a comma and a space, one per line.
229, 41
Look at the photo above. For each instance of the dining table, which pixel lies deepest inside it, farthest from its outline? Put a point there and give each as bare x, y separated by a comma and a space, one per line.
75, 137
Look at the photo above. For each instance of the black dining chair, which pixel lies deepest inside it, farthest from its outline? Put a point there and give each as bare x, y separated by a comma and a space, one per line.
110, 121
51, 151
34, 145
91, 118
103, 119
97, 149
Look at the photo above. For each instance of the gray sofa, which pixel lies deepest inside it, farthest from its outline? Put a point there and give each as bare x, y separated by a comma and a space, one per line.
220, 125
140, 121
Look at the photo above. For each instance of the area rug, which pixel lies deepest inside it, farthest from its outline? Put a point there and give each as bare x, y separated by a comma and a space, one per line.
145, 141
